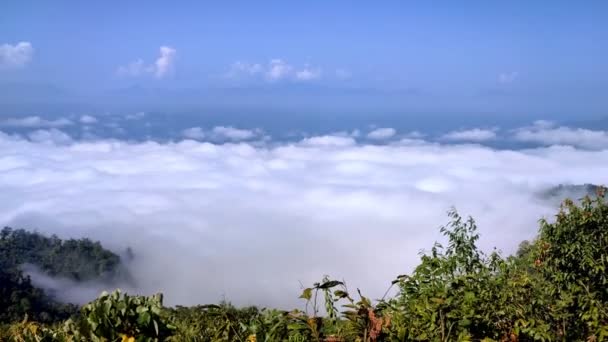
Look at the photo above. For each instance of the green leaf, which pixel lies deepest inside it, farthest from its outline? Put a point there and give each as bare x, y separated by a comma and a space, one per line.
330, 284
306, 294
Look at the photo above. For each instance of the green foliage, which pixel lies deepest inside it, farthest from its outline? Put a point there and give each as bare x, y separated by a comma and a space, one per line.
75, 259
112, 317
117, 314
224, 322
572, 254
19, 298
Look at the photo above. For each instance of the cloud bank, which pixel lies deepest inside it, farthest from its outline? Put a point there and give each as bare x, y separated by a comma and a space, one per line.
546, 133
249, 221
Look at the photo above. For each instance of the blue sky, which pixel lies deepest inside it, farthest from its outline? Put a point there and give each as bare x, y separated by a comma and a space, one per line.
520, 57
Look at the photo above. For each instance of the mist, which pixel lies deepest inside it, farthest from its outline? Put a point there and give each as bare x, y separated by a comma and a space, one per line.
250, 222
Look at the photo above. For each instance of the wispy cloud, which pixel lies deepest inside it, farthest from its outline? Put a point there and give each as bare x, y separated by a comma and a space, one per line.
221, 133
308, 74
34, 121
88, 119
195, 133
161, 68
278, 69
473, 135
51, 136
275, 70
381, 133
15, 56
239, 68
135, 116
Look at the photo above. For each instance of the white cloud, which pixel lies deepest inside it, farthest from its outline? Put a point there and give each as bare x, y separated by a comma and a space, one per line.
355, 133
239, 68
381, 133
88, 119
308, 74
15, 56
545, 133
196, 133
278, 69
328, 141
275, 70
232, 133
281, 213
508, 77
221, 133
34, 121
473, 135
542, 124
51, 136
165, 63
162, 67
135, 68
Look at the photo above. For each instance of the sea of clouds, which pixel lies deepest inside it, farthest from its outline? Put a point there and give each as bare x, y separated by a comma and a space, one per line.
251, 221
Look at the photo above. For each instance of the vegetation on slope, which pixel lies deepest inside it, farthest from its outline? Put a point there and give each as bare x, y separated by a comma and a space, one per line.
78, 260
74, 259
554, 289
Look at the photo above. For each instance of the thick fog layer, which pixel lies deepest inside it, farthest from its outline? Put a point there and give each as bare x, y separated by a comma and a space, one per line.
249, 222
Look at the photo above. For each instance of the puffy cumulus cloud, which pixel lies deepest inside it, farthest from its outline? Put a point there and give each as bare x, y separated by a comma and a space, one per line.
34, 121
161, 68
15, 56
204, 219
88, 119
546, 133
165, 63
508, 77
472, 135
381, 133
275, 70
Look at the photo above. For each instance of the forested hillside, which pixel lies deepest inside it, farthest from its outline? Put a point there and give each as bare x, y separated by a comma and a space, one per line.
554, 289
75, 259
78, 260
